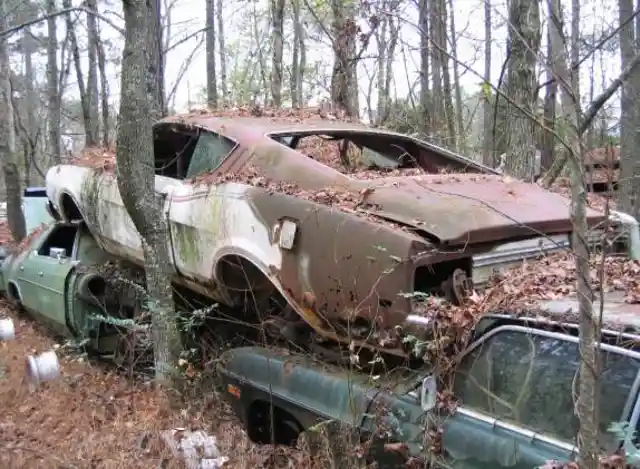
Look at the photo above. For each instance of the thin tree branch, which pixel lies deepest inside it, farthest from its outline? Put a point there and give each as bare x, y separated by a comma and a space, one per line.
64, 11
590, 115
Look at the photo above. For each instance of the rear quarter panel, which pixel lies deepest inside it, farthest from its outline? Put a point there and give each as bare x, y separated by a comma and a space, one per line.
341, 263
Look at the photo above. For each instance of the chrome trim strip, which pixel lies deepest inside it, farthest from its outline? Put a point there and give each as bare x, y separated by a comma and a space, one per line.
553, 335
543, 333
531, 435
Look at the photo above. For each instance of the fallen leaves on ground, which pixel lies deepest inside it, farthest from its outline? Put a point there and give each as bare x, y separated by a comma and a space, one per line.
92, 417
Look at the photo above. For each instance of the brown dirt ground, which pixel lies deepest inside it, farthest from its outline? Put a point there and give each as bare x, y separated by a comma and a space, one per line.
92, 417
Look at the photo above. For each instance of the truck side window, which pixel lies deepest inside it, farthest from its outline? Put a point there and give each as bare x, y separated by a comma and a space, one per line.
532, 380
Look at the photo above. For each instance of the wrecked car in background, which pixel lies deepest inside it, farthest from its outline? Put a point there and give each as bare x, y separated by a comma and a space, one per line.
329, 247
508, 401
57, 276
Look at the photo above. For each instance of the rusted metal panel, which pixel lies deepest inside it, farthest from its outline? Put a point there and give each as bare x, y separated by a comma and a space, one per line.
358, 238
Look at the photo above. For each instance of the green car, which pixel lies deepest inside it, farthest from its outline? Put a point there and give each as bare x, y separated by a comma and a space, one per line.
55, 277
514, 387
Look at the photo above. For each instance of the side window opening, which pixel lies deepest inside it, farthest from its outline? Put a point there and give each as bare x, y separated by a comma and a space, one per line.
209, 153
62, 237
183, 153
532, 380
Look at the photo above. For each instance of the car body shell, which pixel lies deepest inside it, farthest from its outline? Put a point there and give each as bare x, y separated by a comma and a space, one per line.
312, 392
332, 264
59, 291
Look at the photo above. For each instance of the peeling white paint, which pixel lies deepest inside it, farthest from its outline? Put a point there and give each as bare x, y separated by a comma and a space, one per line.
212, 221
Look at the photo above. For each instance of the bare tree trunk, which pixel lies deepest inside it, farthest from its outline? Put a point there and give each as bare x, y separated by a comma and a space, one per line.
575, 53
156, 62
277, 39
394, 33
589, 333
383, 99
223, 54
15, 217
547, 138
461, 140
53, 92
212, 86
32, 104
104, 94
487, 115
296, 72
446, 78
92, 75
437, 100
591, 133
524, 40
629, 187
135, 165
84, 99
344, 86
425, 95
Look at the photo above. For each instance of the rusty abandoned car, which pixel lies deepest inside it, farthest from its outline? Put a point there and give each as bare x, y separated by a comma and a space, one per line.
320, 250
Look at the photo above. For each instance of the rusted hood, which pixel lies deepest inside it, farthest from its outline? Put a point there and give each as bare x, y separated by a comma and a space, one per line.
460, 209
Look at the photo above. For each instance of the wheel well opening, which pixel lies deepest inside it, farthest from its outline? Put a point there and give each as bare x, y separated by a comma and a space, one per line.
69, 210
244, 281
284, 430
13, 292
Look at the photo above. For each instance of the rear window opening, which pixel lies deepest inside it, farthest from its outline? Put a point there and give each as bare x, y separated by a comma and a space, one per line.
362, 153
62, 237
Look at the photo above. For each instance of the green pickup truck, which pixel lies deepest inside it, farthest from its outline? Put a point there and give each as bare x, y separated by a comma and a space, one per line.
514, 387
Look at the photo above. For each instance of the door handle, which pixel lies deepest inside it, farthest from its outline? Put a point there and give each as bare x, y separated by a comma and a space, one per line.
21, 268
40, 274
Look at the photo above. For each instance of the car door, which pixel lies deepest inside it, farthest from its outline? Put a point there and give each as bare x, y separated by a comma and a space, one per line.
43, 276
516, 387
393, 417
203, 214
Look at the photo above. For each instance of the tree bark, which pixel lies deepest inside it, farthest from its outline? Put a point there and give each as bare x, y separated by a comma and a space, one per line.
15, 217
425, 95
547, 143
84, 99
32, 130
461, 143
136, 181
53, 87
344, 86
210, 46
277, 39
628, 186
487, 116
446, 76
297, 56
437, 100
524, 41
223, 54
104, 94
92, 75
589, 333
156, 62
383, 98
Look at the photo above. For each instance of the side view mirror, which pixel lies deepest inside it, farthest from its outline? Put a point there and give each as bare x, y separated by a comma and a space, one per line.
428, 393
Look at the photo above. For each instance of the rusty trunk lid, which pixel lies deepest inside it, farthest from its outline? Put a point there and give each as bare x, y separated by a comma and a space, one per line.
469, 208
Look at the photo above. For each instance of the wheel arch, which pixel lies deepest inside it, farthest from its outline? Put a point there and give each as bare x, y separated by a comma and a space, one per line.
69, 208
